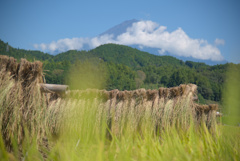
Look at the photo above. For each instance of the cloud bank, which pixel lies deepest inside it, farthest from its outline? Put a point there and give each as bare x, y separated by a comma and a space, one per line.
145, 34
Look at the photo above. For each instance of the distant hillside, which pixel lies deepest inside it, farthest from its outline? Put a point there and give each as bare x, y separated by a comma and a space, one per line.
132, 57
6, 49
114, 53
129, 68
120, 54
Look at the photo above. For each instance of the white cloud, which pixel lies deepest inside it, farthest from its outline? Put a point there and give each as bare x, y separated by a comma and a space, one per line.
161, 51
140, 47
104, 39
219, 42
146, 34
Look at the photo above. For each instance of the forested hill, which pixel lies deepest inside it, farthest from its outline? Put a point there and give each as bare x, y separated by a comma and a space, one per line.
132, 57
120, 54
6, 49
128, 68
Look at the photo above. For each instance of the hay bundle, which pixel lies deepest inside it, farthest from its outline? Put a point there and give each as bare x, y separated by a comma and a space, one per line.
21, 103
165, 106
207, 114
23, 71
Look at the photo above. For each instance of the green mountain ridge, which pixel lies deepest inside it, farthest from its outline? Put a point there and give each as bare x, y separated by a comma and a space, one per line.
129, 68
31, 55
119, 54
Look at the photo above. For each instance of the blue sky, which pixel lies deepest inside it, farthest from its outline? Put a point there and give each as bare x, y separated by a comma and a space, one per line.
28, 22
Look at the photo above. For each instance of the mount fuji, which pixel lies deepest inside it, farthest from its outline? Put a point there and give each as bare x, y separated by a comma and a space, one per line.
124, 26
146, 36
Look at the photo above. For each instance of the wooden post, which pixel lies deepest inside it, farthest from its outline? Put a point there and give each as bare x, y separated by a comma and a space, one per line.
53, 88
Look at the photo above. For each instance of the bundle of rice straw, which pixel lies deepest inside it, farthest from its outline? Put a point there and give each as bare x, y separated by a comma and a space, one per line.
22, 106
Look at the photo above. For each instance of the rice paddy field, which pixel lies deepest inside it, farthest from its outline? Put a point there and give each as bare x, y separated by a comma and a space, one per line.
163, 124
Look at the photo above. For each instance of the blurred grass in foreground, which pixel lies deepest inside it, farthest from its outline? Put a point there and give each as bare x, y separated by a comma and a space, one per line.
232, 98
88, 74
83, 137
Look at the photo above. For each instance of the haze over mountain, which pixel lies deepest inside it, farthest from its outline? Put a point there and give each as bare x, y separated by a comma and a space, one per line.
146, 36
